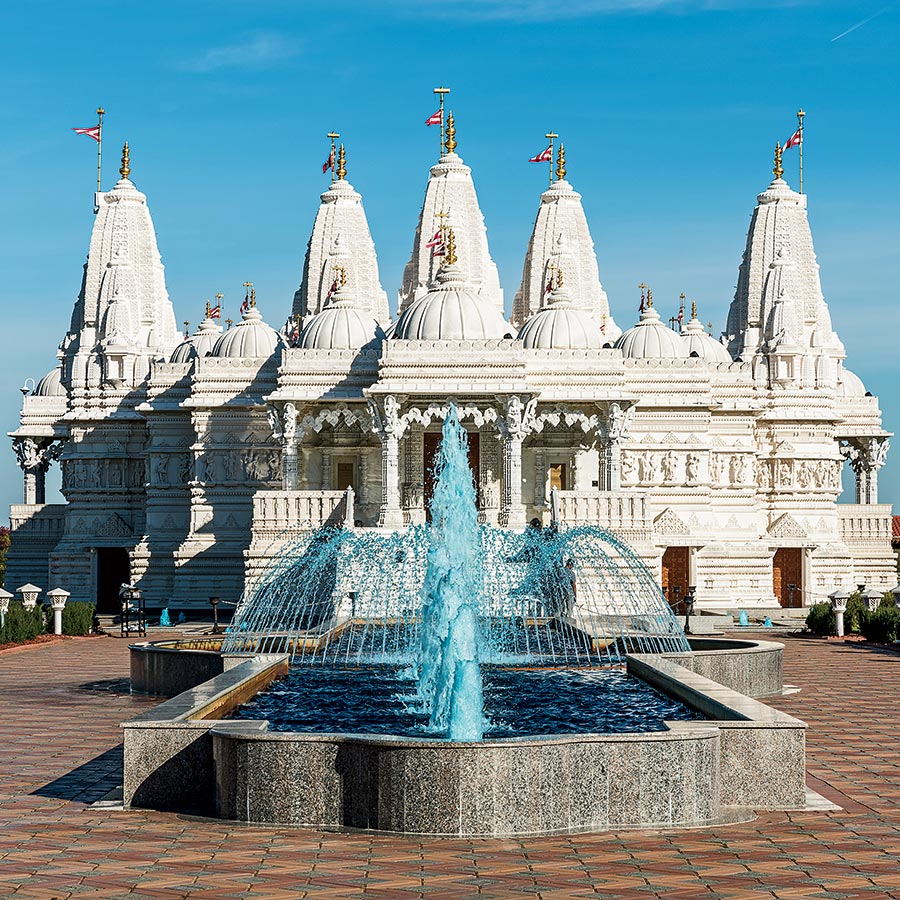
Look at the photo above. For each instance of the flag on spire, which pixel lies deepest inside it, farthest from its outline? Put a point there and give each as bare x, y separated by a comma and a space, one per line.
795, 140
545, 156
93, 132
435, 118
437, 244
215, 312
329, 163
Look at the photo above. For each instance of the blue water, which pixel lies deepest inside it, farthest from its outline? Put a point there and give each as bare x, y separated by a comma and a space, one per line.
517, 703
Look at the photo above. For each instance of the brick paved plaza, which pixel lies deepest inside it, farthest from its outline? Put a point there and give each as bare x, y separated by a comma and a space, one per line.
60, 752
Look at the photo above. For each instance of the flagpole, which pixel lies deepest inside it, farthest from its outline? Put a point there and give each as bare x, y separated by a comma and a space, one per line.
100, 112
333, 135
440, 91
800, 115
551, 135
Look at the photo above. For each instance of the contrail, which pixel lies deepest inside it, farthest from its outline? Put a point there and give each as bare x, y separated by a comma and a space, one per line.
860, 24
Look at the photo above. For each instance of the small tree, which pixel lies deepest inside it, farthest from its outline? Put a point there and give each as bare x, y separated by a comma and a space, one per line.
4, 552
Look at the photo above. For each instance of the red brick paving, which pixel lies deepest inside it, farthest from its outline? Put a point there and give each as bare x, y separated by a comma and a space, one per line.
60, 751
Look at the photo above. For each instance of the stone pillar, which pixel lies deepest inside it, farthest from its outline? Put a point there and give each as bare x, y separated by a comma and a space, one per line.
34, 457
618, 423
290, 466
391, 515
867, 456
362, 495
612, 465
326, 468
512, 513
540, 477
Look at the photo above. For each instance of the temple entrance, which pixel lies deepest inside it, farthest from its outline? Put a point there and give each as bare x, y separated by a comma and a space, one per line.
345, 476
431, 446
113, 570
787, 576
558, 477
676, 576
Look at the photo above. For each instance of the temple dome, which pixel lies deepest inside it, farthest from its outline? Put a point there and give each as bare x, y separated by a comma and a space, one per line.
249, 339
201, 343
560, 326
697, 341
50, 385
850, 385
650, 339
340, 326
451, 311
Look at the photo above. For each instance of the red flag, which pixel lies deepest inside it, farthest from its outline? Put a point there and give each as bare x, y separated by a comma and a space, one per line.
435, 118
329, 163
93, 132
215, 312
546, 156
794, 140
245, 305
437, 239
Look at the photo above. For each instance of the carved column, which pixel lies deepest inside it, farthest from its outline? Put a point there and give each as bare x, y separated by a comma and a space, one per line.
362, 496
284, 429
540, 477
290, 466
512, 513
413, 486
34, 459
386, 424
326, 468
875, 455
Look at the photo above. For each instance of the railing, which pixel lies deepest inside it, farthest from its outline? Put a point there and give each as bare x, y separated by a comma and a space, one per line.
276, 512
865, 523
39, 520
614, 510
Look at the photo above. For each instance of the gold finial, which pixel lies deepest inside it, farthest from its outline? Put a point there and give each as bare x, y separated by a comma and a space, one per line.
101, 111
559, 276
450, 144
777, 169
220, 297
649, 299
208, 309
693, 309
252, 298
709, 326
561, 163
800, 115
450, 256
342, 164
340, 275
125, 169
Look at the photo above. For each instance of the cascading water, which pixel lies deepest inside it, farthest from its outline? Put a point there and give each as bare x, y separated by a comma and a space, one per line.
443, 600
450, 688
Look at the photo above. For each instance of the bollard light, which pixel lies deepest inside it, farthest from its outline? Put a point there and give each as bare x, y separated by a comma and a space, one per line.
5, 597
839, 604
58, 599
30, 594
872, 598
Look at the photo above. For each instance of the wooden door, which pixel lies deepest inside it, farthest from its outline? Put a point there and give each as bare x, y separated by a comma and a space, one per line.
676, 576
558, 476
431, 447
787, 576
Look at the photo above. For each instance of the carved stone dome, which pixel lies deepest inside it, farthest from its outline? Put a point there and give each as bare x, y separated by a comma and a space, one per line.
249, 339
850, 385
341, 326
51, 385
698, 342
560, 326
650, 339
451, 311
201, 343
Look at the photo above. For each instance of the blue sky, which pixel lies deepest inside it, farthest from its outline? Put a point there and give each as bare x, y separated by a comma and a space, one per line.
669, 112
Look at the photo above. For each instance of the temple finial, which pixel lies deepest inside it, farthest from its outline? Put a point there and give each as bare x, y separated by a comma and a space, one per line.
342, 164
777, 169
125, 169
649, 299
559, 276
693, 309
450, 144
450, 256
208, 309
253, 298
561, 162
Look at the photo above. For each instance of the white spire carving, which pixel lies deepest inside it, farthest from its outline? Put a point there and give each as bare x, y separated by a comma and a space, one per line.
561, 237
779, 227
450, 201
341, 230
123, 309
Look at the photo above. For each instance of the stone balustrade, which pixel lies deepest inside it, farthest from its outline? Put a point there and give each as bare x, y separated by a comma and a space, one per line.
279, 512
865, 522
619, 511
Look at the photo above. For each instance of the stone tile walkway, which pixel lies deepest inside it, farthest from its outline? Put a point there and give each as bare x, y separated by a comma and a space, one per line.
60, 705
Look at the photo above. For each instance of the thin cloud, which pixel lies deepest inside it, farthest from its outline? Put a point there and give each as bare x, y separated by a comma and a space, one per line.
865, 21
256, 51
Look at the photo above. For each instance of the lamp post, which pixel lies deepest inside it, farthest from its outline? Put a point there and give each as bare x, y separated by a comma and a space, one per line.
791, 588
214, 603
30, 594
872, 599
58, 599
839, 604
5, 597
688, 608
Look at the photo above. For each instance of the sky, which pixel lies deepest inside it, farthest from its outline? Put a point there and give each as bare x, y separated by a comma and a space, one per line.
669, 112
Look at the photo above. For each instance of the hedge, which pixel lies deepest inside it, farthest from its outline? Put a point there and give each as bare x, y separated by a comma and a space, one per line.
77, 617
22, 624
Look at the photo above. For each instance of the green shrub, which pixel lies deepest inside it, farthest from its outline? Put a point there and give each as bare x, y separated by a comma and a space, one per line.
22, 624
77, 617
821, 620
881, 625
856, 608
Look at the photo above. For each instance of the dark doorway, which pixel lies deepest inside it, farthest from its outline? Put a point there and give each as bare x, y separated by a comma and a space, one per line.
676, 576
431, 447
787, 576
113, 570
345, 477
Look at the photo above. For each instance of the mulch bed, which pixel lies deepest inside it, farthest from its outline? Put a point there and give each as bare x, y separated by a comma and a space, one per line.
41, 639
